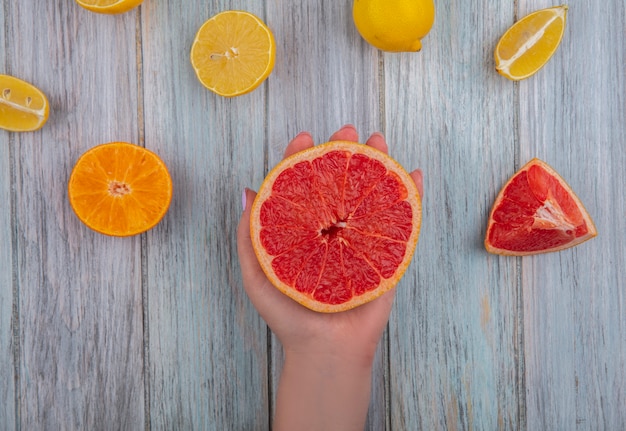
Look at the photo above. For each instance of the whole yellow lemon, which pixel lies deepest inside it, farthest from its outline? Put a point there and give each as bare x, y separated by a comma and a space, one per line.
394, 25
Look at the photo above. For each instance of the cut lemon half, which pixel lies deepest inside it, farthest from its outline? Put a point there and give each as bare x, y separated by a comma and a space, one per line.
233, 53
23, 107
109, 6
529, 43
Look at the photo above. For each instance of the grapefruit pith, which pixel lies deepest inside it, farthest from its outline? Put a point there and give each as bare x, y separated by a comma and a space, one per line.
537, 212
335, 226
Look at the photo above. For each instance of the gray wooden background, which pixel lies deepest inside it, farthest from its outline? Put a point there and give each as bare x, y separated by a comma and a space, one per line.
156, 332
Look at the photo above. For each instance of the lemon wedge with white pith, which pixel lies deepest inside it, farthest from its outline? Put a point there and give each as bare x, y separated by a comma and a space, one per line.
394, 25
23, 107
529, 43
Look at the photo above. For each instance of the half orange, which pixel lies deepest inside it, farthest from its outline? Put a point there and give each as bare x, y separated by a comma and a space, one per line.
335, 226
120, 189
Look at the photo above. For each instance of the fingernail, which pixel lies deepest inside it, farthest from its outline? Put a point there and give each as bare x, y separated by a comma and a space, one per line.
348, 126
379, 134
243, 199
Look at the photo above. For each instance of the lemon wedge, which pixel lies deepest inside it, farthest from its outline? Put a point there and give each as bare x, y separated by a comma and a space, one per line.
529, 43
23, 107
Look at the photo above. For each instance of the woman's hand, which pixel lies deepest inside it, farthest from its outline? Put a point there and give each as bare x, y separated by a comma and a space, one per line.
328, 357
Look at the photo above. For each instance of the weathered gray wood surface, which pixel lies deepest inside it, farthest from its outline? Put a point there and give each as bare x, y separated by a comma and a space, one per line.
156, 331
574, 116
7, 382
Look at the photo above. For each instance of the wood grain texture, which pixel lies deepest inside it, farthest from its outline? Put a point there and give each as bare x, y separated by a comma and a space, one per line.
455, 331
80, 314
573, 116
7, 362
208, 347
156, 331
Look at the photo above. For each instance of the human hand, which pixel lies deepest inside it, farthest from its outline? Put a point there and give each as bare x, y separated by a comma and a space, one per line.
326, 378
355, 332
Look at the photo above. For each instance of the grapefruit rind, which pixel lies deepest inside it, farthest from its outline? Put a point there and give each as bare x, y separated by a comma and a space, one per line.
591, 229
265, 191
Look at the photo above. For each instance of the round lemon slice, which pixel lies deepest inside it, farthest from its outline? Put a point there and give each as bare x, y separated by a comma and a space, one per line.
233, 53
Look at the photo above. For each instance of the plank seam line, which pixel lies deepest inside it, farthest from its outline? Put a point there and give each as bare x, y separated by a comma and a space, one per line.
521, 361
382, 121
520, 368
15, 318
15, 291
268, 332
143, 238
381, 93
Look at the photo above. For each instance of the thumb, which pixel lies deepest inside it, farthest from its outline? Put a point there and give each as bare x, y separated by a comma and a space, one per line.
260, 291
250, 268
418, 178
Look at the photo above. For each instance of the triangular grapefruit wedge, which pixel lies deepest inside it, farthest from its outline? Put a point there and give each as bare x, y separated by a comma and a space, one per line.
537, 212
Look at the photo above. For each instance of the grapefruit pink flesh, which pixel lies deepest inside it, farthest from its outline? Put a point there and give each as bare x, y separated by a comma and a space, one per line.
537, 212
337, 227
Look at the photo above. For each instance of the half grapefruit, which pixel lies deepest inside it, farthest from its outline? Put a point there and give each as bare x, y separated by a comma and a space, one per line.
336, 225
537, 212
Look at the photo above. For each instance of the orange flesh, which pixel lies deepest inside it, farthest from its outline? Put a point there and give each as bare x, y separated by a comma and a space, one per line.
336, 226
537, 213
120, 189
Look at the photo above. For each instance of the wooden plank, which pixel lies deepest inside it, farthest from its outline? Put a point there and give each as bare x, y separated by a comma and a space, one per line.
80, 316
455, 332
475, 341
572, 115
7, 375
207, 346
325, 77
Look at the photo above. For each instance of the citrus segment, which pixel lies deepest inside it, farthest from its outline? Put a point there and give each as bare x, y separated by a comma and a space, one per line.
109, 6
336, 225
120, 189
394, 25
529, 43
233, 53
23, 107
537, 212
